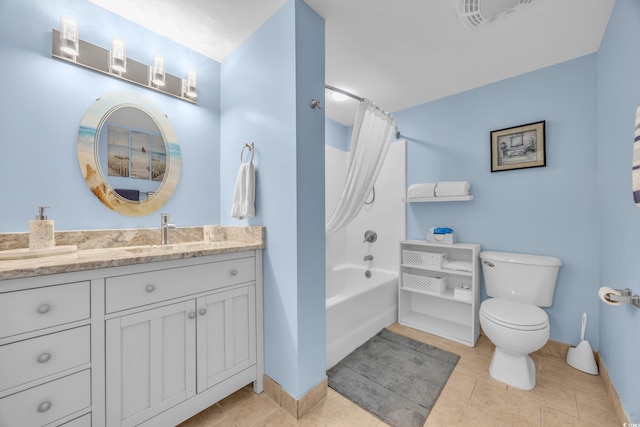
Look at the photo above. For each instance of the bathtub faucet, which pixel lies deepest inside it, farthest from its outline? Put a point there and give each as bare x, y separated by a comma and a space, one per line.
370, 236
368, 257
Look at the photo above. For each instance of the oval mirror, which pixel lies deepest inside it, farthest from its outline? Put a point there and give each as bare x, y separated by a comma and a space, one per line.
128, 153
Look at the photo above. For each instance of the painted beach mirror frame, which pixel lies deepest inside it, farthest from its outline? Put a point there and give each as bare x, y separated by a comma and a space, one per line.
90, 135
518, 147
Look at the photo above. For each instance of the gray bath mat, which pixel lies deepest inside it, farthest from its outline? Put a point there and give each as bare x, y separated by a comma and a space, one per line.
394, 377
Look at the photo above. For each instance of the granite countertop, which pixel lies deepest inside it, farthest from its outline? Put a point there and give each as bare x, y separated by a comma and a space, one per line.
129, 247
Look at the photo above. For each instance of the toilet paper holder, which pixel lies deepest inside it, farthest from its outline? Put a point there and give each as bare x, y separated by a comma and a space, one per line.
626, 297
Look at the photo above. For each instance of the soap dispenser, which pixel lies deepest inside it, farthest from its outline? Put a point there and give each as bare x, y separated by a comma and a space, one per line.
41, 232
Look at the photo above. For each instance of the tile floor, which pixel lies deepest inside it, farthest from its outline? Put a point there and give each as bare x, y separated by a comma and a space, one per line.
563, 396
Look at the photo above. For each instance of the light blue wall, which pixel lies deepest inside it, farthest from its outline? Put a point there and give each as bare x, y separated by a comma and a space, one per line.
618, 97
42, 101
310, 169
550, 210
266, 87
337, 135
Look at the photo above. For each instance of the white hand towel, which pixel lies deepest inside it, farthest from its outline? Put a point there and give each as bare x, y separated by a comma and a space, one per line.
421, 190
452, 188
244, 194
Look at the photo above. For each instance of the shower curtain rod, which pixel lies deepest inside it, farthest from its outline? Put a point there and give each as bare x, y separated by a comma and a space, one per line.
356, 97
344, 92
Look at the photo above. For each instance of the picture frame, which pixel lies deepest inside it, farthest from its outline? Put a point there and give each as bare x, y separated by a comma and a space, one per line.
518, 147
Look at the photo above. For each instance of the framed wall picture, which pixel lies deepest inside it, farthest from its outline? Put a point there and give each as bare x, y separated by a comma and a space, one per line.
518, 147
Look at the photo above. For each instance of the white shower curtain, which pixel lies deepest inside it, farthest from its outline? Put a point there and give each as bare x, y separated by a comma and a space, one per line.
372, 131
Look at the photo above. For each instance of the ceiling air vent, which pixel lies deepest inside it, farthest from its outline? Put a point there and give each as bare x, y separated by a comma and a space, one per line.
475, 13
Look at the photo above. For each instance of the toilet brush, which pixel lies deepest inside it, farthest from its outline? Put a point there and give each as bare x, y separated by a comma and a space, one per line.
581, 357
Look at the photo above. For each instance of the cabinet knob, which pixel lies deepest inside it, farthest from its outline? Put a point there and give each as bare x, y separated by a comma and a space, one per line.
192, 315
203, 311
44, 308
150, 288
44, 358
44, 406
234, 272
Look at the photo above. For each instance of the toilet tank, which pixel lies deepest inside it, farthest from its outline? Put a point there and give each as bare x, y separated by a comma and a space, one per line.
518, 277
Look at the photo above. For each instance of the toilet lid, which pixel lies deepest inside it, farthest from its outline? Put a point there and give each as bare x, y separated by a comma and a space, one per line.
515, 315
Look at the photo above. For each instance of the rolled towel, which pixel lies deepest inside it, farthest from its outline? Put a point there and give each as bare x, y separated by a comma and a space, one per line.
421, 190
457, 265
452, 188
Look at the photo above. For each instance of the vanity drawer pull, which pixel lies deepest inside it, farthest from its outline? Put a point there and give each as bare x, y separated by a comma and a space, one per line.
43, 308
150, 288
44, 407
192, 315
203, 311
44, 357
234, 272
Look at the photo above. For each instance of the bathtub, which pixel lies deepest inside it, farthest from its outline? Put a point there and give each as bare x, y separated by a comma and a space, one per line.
357, 307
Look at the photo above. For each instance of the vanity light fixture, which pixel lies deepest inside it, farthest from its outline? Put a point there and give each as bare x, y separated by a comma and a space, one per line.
190, 85
156, 72
69, 40
113, 62
118, 56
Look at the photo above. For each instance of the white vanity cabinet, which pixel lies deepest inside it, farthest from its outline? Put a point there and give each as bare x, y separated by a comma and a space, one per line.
179, 339
439, 290
45, 353
146, 344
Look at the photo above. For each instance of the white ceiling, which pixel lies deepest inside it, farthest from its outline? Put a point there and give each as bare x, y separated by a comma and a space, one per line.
398, 53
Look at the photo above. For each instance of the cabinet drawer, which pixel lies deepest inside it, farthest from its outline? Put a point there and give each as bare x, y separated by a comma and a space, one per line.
135, 290
47, 402
33, 309
38, 357
83, 421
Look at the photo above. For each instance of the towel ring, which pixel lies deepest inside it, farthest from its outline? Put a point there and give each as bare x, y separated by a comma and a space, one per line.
250, 147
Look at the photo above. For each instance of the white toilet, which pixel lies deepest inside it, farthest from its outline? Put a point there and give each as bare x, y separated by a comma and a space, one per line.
512, 319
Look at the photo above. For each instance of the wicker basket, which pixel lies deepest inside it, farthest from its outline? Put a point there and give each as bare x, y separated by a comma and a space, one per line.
425, 284
423, 259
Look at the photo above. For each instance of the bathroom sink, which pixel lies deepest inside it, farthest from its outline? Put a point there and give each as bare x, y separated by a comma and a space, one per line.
26, 253
172, 247
151, 249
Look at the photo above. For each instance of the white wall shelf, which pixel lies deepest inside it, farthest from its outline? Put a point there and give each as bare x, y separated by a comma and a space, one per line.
438, 199
421, 303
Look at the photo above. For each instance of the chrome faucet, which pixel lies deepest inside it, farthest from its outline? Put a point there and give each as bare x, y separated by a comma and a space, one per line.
368, 257
164, 228
370, 236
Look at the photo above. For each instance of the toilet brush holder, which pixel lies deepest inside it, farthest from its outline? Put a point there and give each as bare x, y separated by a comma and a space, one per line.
581, 357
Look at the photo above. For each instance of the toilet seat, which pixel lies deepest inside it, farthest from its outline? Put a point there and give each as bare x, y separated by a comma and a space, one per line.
514, 315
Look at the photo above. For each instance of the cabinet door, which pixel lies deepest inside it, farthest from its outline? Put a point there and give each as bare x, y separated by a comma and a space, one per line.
226, 335
150, 362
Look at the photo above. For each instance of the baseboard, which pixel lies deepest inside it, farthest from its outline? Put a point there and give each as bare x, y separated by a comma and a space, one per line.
623, 419
296, 407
